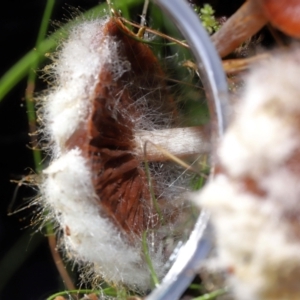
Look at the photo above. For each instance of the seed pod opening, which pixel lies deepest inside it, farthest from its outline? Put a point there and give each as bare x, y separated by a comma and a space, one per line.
107, 86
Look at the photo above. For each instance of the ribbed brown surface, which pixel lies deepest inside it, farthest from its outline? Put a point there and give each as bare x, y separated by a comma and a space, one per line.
120, 181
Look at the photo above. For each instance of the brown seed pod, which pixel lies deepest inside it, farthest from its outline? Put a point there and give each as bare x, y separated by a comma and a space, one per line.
108, 89
107, 141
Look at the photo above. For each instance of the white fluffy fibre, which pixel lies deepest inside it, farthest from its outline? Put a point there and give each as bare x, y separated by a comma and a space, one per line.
89, 236
255, 198
76, 72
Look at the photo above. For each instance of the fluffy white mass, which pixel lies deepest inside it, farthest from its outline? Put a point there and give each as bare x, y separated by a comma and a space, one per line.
89, 236
254, 198
76, 72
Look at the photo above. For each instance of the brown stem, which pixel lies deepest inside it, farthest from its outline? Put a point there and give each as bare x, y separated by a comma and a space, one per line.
232, 66
59, 263
248, 20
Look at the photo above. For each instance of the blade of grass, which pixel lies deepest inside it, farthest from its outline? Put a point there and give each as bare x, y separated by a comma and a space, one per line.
30, 105
14, 259
148, 260
212, 295
107, 291
31, 85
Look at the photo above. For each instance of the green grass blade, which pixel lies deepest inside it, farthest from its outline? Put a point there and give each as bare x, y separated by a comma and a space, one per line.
30, 104
148, 260
107, 291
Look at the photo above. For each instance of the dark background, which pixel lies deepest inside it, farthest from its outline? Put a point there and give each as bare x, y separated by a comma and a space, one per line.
21, 244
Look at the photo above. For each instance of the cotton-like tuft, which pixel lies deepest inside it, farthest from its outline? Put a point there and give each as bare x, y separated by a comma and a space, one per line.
107, 86
254, 198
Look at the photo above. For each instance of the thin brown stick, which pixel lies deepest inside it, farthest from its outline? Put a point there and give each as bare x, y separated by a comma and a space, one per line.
231, 66
169, 156
59, 263
183, 44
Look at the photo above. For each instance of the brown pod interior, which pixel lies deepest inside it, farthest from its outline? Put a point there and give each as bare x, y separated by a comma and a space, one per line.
119, 177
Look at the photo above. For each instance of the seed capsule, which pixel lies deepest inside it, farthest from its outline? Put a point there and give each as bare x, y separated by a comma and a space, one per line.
108, 86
